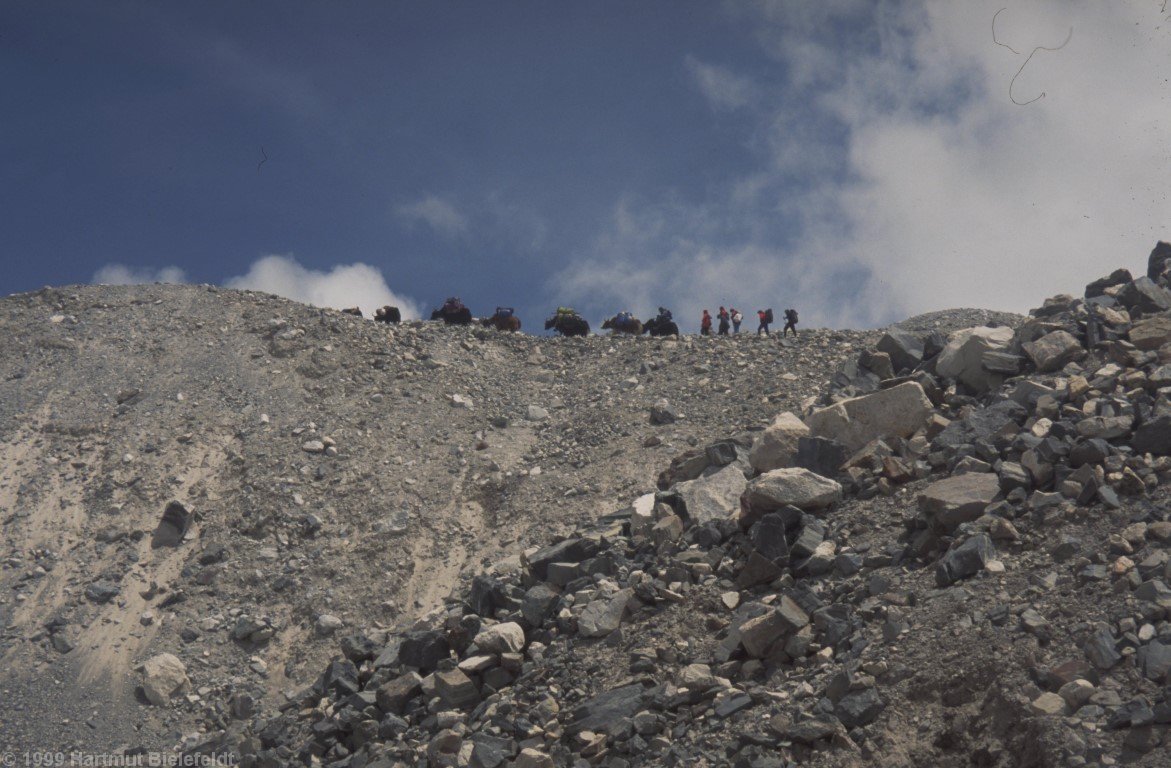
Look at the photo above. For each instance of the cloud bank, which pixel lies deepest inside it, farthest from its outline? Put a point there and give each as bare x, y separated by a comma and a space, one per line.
121, 274
345, 285
894, 175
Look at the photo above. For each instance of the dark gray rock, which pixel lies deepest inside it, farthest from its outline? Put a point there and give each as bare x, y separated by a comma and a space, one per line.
1102, 649
859, 708
1155, 660
964, 561
424, 649
1144, 296
820, 455
1157, 262
102, 591
768, 536
538, 604
607, 711
572, 550
904, 348
172, 527
1117, 277
1153, 437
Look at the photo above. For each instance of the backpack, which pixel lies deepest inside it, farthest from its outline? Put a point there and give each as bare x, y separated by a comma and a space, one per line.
768, 315
791, 315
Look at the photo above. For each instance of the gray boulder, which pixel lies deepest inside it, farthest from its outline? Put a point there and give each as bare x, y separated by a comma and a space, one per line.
712, 497
895, 412
963, 357
1054, 350
777, 445
959, 499
905, 348
791, 486
964, 561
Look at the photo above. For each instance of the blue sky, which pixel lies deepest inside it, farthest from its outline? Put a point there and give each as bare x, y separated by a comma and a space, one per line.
861, 161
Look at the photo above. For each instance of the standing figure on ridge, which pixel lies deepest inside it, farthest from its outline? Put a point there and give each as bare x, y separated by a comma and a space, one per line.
790, 322
705, 324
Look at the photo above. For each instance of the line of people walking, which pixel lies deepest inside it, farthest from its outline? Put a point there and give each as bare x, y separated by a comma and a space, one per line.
732, 318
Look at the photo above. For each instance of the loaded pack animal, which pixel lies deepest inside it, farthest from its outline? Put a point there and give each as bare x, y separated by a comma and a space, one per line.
388, 314
453, 312
355, 311
502, 322
660, 327
568, 324
619, 324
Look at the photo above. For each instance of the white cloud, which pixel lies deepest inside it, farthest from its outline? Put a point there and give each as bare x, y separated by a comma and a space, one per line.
345, 285
722, 87
435, 212
907, 179
121, 274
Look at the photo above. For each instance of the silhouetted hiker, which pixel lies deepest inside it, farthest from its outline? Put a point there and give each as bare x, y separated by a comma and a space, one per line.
705, 324
766, 317
790, 322
723, 317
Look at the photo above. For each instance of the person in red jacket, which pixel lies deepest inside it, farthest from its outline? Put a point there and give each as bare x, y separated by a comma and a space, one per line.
765, 318
705, 324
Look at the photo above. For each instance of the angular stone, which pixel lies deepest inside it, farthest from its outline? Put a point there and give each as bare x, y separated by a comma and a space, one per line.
713, 497
604, 615
1101, 648
1144, 296
904, 348
607, 711
538, 603
777, 445
424, 649
1157, 261
163, 676
966, 560
173, 526
895, 412
1153, 437
102, 591
859, 708
1054, 351
1048, 704
962, 358
393, 695
1155, 658
456, 688
820, 455
959, 499
572, 550
508, 637
768, 536
1117, 277
1151, 333
792, 486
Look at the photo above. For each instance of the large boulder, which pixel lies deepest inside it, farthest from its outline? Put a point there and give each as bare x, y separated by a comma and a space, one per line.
1158, 262
163, 676
1151, 333
777, 445
789, 486
1115, 278
713, 497
966, 560
959, 499
895, 412
1144, 296
962, 358
905, 348
1054, 350
507, 637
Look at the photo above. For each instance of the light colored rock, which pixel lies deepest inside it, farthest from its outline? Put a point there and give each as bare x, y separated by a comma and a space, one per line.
536, 413
1054, 350
714, 497
163, 676
462, 401
793, 486
898, 411
327, 624
532, 758
1151, 333
1048, 704
507, 637
603, 616
959, 499
777, 445
642, 516
963, 357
